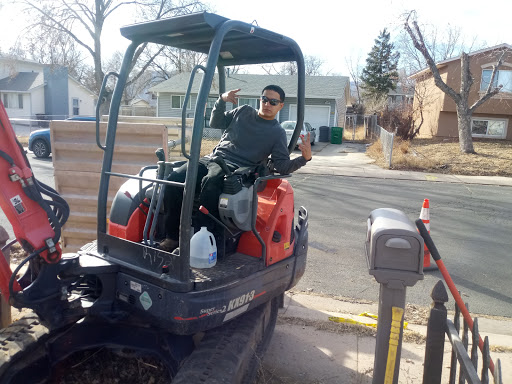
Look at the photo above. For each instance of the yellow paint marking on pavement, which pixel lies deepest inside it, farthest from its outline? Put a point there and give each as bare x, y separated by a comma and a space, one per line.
351, 321
368, 314
431, 178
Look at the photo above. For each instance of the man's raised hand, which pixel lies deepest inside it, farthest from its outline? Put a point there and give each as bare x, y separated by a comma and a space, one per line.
305, 147
231, 96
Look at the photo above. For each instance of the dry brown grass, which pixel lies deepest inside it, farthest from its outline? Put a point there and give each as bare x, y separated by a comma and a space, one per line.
23, 140
349, 135
492, 157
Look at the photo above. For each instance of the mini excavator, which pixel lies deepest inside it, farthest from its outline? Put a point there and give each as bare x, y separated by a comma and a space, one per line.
122, 291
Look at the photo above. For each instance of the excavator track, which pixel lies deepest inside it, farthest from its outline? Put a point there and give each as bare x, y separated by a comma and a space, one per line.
22, 346
231, 353
228, 354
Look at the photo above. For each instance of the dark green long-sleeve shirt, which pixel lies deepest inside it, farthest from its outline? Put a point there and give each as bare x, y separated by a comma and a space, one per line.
249, 139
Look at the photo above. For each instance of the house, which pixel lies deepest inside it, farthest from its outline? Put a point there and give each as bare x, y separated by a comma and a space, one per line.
491, 119
401, 95
30, 90
325, 103
138, 107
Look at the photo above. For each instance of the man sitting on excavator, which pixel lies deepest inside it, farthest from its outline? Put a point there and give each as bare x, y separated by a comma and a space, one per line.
250, 137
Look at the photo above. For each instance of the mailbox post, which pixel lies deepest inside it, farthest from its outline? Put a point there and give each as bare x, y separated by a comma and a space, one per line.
394, 254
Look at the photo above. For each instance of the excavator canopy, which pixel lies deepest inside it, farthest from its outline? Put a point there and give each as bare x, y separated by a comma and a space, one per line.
195, 32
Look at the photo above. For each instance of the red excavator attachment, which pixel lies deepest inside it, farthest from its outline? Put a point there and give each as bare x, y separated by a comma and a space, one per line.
22, 203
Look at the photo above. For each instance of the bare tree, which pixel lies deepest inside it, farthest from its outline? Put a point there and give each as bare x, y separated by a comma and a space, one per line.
83, 22
442, 45
50, 47
354, 70
461, 99
312, 66
172, 60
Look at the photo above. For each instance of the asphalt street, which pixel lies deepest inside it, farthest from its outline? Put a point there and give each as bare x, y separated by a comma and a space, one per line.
470, 224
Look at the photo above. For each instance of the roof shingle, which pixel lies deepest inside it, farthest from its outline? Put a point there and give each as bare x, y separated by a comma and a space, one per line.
22, 82
325, 87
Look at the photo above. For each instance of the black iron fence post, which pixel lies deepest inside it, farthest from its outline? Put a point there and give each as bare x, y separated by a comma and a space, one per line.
436, 330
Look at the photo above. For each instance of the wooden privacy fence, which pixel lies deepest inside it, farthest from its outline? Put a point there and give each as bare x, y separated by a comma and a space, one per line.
77, 164
438, 326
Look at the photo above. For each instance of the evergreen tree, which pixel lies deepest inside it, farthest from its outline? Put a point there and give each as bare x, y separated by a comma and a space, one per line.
380, 74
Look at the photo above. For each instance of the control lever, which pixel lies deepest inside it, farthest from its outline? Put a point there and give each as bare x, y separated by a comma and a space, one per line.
160, 154
219, 160
204, 210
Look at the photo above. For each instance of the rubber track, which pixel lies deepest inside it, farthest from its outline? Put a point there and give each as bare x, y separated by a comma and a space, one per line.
228, 354
231, 353
21, 344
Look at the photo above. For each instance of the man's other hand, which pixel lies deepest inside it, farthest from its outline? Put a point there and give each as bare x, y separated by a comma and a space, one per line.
231, 96
305, 146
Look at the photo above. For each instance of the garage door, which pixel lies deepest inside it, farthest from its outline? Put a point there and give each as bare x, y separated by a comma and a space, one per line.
316, 115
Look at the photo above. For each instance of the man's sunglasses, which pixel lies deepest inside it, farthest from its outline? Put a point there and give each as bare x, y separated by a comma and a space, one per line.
274, 102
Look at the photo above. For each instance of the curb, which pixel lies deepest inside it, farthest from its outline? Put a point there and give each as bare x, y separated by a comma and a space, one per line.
315, 308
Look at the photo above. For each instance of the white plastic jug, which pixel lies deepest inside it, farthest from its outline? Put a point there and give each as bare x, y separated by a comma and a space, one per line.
203, 249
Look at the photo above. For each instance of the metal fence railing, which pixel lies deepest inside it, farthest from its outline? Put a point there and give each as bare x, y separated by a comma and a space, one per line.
376, 132
438, 326
386, 140
370, 127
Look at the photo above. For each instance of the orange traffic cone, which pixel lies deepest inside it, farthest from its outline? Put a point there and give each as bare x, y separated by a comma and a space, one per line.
425, 217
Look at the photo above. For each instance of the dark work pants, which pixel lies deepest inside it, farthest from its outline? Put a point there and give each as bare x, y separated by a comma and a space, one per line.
209, 183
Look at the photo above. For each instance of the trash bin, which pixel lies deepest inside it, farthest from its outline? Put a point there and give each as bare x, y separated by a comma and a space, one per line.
42, 120
324, 134
336, 135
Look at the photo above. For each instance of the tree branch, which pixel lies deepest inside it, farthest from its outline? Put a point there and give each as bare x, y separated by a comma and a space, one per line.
85, 11
149, 62
419, 44
490, 93
108, 13
61, 26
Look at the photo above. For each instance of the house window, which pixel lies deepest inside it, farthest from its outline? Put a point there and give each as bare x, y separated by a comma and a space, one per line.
487, 127
13, 100
211, 102
76, 106
177, 102
503, 77
246, 101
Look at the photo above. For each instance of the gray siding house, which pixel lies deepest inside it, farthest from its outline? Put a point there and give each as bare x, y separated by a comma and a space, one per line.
29, 90
326, 96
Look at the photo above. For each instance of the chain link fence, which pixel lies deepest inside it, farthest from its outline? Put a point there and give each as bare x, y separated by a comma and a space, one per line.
375, 132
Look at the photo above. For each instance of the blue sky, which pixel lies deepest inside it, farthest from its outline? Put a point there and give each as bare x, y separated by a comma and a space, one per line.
329, 29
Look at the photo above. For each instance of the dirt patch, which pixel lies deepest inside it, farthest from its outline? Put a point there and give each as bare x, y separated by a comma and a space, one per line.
23, 140
416, 314
18, 254
339, 328
492, 157
106, 366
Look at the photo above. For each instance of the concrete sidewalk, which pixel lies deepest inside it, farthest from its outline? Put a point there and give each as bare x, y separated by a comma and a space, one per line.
308, 348
349, 159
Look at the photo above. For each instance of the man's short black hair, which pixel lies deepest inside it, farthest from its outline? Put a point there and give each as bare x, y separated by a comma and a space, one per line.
275, 88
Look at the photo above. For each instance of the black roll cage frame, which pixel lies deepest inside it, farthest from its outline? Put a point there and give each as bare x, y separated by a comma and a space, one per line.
208, 35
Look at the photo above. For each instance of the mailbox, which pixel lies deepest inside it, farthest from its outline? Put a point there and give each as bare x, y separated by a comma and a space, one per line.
394, 248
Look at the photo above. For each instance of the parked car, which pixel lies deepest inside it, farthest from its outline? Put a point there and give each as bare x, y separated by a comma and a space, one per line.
39, 140
289, 127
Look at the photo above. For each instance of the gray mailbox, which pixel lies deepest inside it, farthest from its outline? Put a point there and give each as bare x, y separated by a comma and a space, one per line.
394, 254
394, 248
